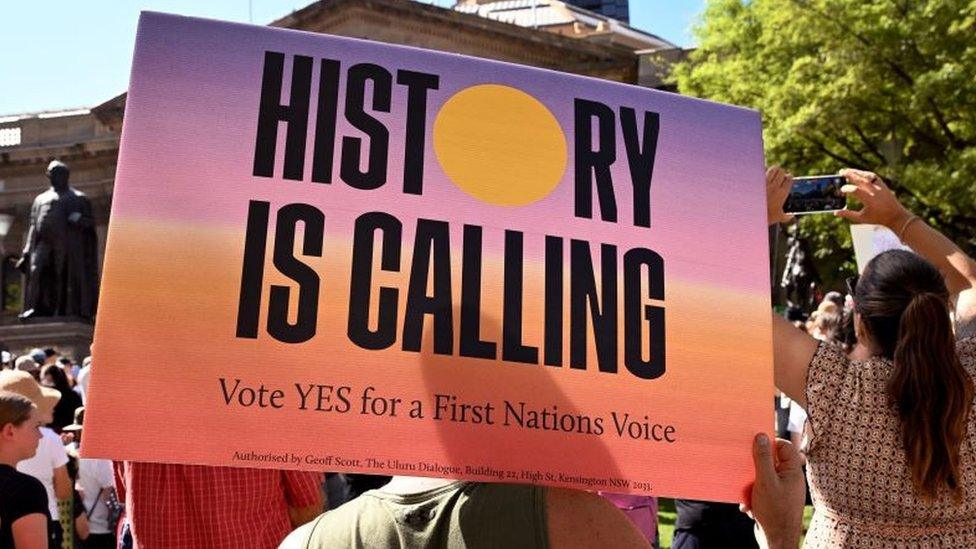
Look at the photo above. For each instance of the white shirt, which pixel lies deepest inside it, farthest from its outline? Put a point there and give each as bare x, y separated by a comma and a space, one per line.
96, 475
50, 455
81, 382
798, 417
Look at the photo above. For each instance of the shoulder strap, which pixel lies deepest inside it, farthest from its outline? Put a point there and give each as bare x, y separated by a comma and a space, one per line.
95, 504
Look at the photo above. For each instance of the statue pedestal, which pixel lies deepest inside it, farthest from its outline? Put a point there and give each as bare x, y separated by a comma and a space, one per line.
70, 336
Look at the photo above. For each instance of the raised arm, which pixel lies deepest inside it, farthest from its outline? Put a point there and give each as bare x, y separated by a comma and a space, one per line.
881, 207
793, 349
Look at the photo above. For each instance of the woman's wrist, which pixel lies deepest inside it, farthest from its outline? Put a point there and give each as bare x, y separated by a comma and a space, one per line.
896, 223
776, 217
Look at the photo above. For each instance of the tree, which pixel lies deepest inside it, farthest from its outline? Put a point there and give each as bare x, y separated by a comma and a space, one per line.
882, 85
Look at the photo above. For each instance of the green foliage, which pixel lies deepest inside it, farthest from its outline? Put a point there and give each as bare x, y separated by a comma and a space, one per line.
884, 85
13, 296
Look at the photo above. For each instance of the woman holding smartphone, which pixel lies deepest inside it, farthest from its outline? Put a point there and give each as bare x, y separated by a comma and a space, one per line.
891, 458
23, 500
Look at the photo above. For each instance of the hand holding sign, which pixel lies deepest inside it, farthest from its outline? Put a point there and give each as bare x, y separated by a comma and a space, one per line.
776, 501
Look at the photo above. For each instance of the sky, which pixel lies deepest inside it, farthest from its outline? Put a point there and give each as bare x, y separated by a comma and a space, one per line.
61, 54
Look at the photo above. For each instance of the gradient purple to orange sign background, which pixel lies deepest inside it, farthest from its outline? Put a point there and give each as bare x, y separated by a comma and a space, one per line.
165, 332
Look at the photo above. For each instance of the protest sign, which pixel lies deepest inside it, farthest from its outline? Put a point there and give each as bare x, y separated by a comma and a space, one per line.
337, 255
871, 240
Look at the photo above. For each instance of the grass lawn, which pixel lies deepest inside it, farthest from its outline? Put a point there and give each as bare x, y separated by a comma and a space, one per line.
666, 516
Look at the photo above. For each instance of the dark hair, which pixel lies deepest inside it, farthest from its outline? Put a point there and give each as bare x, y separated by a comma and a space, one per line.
49, 352
846, 334
836, 298
904, 305
795, 313
14, 408
60, 378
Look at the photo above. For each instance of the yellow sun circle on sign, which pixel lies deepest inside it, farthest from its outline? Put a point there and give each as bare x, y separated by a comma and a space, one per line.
500, 145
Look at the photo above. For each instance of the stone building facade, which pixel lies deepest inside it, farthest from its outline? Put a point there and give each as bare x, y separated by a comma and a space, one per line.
78, 138
618, 9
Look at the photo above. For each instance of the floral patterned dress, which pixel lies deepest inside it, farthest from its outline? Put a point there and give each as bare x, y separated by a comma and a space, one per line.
859, 479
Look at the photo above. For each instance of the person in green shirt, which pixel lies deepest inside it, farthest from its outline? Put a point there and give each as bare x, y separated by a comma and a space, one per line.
414, 512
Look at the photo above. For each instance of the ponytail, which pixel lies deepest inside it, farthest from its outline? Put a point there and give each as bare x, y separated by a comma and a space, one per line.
932, 393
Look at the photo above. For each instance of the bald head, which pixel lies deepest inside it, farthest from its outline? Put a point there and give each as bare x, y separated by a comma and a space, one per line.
58, 173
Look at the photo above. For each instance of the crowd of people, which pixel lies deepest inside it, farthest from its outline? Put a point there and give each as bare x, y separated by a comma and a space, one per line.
55, 387
877, 391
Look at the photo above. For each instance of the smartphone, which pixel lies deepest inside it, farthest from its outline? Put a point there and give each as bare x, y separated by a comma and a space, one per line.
816, 194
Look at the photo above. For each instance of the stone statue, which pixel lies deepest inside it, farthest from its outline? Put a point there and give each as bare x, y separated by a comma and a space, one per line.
800, 277
60, 257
